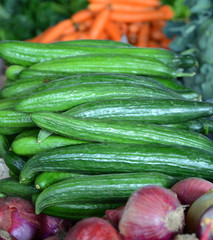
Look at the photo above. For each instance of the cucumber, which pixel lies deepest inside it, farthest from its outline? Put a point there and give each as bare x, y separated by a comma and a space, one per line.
190, 95
78, 211
8, 103
204, 126
4, 145
11, 118
10, 130
12, 72
29, 146
172, 83
11, 187
103, 158
107, 188
54, 100
95, 43
159, 111
28, 53
97, 78
109, 63
19, 87
46, 179
14, 162
29, 73
105, 130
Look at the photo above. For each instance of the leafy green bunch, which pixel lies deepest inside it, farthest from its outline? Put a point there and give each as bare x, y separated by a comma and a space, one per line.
195, 37
24, 19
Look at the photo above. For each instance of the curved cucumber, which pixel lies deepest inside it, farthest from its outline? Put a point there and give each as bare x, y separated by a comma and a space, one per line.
46, 179
28, 145
107, 188
4, 145
101, 130
100, 158
14, 162
160, 111
11, 187
12, 72
54, 100
11, 118
109, 63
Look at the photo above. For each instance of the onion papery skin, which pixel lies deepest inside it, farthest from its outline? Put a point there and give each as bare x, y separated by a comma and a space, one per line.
113, 216
92, 228
152, 213
190, 189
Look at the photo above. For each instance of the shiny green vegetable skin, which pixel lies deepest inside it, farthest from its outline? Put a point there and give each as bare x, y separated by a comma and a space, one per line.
105, 130
109, 63
46, 179
101, 158
11, 187
4, 145
159, 111
54, 100
110, 188
12, 72
8, 103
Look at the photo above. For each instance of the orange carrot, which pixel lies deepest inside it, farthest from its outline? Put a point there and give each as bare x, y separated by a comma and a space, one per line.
81, 15
113, 31
143, 35
96, 7
103, 35
130, 7
123, 27
134, 27
165, 42
156, 34
151, 3
153, 44
99, 23
167, 11
83, 26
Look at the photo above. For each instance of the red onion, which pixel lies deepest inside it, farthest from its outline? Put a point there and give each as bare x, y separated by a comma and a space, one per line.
152, 213
17, 216
205, 225
93, 228
4, 235
190, 189
196, 210
51, 225
113, 216
59, 236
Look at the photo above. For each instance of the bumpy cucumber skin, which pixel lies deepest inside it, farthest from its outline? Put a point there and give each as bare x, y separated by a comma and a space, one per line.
14, 162
29, 146
26, 53
159, 111
11, 187
12, 72
11, 118
54, 100
8, 103
100, 158
101, 130
46, 179
107, 188
116, 63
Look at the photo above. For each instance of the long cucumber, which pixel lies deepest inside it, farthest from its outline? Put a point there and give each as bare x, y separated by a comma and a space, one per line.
10, 130
11, 118
111, 63
4, 145
107, 188
101, 130
160, 111
27, 53
7, 103
66, 97
104, 158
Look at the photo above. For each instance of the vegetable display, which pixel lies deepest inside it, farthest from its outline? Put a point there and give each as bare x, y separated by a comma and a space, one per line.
90, 129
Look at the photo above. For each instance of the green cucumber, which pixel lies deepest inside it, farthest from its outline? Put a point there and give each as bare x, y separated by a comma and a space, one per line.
54, 100
105, 130
11, 187
190, 95
10, 130
11, 118
107, 188
27, 53
29, 73
109, 63
103, 158
12, 72
20, 86
7, 103
159, 111
95, 43
14, 162
46, 179
78, 211
172, 83
29, 145
4, 145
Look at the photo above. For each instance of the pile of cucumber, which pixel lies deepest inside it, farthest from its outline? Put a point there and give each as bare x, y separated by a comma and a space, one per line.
84, 123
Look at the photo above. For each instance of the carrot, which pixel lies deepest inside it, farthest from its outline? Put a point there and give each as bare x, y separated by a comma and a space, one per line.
143, 35
113, 30
55, 31
167, 11
165, 42
83, 26
96, 7
156, 35
81, 15
133, 29
151, 3
129, 7
103, 35
123, 27
153, 44
99, 23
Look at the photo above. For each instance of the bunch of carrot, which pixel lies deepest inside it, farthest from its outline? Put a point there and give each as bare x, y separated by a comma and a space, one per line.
141, 21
